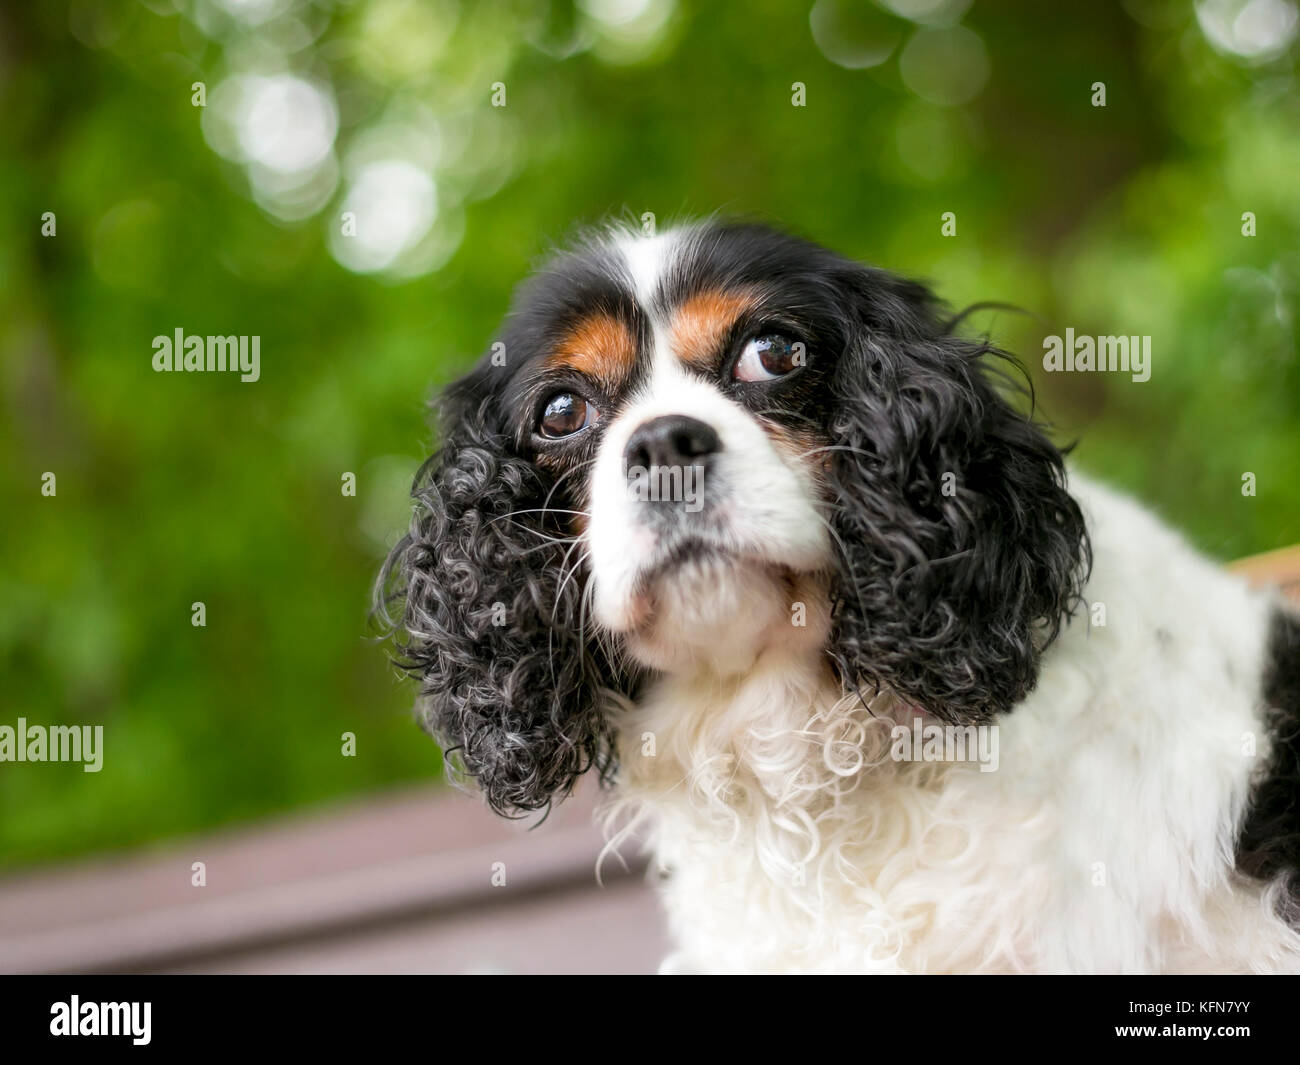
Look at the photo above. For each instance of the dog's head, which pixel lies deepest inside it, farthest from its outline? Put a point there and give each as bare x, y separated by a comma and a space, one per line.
689, 451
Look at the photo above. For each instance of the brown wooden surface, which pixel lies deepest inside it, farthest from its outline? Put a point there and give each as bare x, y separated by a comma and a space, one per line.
402, 882
1280, 568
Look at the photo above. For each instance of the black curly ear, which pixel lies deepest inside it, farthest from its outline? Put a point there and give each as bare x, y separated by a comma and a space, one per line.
963, 551
484, 609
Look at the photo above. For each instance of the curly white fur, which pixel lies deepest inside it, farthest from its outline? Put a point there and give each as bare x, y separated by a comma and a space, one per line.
792, 842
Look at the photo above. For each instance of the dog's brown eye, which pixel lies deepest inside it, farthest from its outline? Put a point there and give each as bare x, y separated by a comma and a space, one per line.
565, 414
768, 357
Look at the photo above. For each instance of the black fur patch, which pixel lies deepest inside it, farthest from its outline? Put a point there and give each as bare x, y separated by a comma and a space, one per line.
483, 595
1269, 843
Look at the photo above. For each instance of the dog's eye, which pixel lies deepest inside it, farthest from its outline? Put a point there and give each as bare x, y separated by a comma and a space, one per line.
565, 414
768, 357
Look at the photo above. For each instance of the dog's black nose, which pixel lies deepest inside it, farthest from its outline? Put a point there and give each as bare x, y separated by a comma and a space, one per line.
671, 440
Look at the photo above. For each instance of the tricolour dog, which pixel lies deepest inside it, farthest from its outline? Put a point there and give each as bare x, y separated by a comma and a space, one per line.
750, 531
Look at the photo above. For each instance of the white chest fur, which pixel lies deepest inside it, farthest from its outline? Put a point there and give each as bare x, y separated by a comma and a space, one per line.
1102, 842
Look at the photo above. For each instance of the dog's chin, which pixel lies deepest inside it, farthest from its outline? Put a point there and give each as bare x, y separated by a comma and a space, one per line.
701, 607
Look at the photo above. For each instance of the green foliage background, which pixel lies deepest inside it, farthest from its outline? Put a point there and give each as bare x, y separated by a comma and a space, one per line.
181, 488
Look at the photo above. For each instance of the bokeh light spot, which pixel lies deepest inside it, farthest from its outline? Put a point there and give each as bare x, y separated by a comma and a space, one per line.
946, 66
854, 36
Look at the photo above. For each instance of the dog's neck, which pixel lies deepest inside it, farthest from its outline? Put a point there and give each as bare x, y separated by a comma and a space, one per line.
749, 748
775, 791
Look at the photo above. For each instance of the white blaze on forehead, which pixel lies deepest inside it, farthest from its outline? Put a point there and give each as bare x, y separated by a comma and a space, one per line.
647, 260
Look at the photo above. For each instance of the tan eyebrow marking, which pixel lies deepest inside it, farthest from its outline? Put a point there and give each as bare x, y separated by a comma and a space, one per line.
600, 346
701, 323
